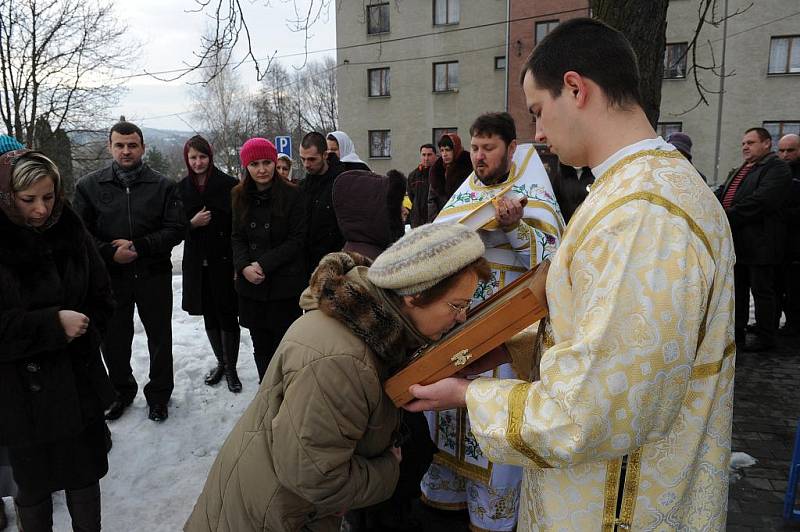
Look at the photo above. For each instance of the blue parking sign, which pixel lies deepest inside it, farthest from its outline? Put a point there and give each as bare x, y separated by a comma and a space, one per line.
284, 145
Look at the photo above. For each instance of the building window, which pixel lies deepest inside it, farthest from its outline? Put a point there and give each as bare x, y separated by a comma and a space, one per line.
378, 81
543, 28
665, 129
380, 143
377, 18
446, 12
780, 128
784, 55
439, 131
500, 62
445, 76
675, 60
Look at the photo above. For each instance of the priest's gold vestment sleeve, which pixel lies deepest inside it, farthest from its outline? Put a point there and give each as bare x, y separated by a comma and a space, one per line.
641, 370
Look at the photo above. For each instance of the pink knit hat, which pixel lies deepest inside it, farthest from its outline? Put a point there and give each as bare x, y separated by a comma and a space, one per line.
256, 149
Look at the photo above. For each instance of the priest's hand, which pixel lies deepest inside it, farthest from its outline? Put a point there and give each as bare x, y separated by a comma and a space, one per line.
443, 395
508, 211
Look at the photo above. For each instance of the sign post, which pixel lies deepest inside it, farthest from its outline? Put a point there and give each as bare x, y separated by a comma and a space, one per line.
284, 145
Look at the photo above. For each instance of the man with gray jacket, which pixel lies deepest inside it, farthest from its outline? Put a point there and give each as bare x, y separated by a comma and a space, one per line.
136, 218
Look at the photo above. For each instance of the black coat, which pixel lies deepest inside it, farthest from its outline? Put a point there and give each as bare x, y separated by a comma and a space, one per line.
323, 233
756, 218
273, 233
444, 181
417, 190
149, 213
211, 243
792, 216
50, 390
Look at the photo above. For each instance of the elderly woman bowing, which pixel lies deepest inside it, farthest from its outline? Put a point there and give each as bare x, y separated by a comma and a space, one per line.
318, 438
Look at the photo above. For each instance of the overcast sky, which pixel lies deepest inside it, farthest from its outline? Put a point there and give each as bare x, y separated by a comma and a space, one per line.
169, 35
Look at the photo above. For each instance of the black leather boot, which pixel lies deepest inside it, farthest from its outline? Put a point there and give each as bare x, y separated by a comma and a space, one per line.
84, 508
36, 518
230, 350
215, 375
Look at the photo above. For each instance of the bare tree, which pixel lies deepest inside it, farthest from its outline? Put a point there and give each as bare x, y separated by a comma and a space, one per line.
225, 109
57, 62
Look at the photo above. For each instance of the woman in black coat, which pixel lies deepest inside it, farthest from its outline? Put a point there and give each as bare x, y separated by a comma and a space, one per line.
55, 302
208, 258
268, 239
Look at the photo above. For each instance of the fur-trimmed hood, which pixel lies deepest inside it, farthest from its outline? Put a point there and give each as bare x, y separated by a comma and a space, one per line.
340, 289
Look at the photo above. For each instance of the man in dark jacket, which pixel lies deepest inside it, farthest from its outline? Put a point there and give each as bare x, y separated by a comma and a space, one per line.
789, 281
324, 235
752, 197
417, 187
136, 218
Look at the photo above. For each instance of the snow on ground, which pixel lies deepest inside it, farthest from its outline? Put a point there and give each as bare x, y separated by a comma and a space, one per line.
741, 460
156, 470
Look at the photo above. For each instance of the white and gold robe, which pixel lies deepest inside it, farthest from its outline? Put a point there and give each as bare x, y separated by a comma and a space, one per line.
636, 392
461, 475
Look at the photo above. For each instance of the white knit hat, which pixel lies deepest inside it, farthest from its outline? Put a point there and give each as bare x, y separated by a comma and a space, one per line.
424, 257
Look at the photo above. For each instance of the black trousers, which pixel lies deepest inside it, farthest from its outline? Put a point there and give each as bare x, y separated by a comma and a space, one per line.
760, 280
788, 294
268, 321
152, 296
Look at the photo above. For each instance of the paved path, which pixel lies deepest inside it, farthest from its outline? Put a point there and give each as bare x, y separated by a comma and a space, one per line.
765, 415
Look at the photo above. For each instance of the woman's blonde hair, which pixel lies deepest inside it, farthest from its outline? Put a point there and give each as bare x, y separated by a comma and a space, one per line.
32, 167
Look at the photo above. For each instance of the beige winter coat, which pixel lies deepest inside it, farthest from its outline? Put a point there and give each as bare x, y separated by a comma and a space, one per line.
316, 439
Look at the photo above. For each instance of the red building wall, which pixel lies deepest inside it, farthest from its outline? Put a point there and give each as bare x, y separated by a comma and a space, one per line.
525, 14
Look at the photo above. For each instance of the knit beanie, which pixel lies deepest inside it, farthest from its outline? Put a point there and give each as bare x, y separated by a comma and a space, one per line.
256, 149
424, 257
9, 144
682, 142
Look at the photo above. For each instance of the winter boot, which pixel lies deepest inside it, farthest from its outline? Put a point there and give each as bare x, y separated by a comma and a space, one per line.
230, 350
3, 518
84, 508
215, 375
36, 518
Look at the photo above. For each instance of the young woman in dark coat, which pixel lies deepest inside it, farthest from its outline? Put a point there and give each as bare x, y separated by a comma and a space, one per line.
268, 241
55, 302
208, 257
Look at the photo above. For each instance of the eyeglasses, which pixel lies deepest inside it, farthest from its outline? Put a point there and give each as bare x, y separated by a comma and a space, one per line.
458, 309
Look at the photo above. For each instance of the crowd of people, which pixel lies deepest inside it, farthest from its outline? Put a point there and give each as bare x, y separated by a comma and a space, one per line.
571, 424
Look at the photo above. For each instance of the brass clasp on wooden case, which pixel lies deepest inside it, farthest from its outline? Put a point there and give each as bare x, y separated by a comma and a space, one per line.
460, 358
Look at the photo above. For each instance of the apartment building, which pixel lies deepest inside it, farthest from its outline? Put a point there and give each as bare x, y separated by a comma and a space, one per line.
412, 69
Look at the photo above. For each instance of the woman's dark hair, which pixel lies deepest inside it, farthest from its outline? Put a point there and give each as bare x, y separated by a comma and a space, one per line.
446, 141
241, 200
479, 267
595, 51
500, 124
200, 144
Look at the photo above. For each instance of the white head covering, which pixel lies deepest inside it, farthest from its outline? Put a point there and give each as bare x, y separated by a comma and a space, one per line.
347, 150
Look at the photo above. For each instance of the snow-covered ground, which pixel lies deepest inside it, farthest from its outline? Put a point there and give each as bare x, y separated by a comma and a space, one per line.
156, 470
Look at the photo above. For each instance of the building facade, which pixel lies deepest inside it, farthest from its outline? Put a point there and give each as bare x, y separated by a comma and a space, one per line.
412, 69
